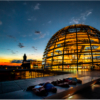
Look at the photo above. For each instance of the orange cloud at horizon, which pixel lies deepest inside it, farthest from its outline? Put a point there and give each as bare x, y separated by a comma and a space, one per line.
10, 64
4, 61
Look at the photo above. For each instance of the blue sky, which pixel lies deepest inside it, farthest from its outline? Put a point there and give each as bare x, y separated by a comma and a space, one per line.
27, 26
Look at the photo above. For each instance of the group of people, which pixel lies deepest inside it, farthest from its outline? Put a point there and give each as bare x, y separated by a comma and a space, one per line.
44, 88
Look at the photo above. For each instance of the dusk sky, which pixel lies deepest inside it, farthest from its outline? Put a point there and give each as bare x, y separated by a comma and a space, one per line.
27, 26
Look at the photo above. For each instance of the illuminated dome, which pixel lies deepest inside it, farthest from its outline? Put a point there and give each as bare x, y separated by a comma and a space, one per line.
75, 47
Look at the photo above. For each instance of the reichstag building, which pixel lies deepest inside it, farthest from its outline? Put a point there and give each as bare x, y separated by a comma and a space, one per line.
75, 47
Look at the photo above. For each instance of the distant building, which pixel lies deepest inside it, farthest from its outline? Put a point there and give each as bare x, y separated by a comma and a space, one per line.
31, 64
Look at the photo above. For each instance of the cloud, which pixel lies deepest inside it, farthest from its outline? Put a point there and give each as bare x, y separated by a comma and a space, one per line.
29, 59
42, 35
16, 61
81, 18
0, 22
37, 32
34, 48
85, 14
75, 20
49, 21
37, 6
10, 36
35, 19
89, 13
35, 38
24, 35
13, 52
29, 19
32, 18
21, 45
30, 34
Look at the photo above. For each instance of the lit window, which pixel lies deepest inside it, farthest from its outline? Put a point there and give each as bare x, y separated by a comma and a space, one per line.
52, 54
58, 45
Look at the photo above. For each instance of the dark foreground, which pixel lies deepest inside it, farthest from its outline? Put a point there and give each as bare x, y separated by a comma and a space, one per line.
91, 92
17, 89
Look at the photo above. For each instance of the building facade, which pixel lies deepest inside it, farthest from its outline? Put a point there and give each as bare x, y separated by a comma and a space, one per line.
75, 47
31, 64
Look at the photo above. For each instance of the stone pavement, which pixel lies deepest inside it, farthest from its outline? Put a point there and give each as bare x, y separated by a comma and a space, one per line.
17, 89
91, 92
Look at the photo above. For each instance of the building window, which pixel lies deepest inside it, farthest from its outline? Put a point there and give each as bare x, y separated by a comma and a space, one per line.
58, 45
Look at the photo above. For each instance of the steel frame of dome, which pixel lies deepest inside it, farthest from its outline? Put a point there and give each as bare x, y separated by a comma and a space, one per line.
74, 47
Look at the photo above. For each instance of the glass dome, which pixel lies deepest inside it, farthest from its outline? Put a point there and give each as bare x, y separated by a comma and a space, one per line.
75, 47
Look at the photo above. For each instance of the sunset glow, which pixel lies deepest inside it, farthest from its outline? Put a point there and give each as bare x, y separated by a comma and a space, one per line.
27, 26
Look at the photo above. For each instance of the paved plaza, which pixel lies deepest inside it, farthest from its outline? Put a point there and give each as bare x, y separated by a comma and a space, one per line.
17, 89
